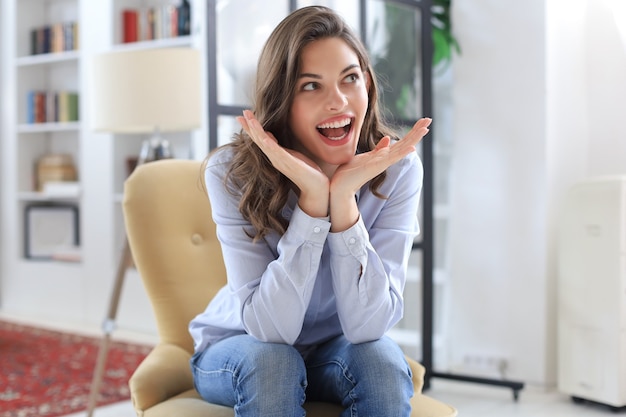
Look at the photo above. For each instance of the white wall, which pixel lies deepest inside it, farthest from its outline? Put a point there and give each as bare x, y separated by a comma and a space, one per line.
606, 58
537, 98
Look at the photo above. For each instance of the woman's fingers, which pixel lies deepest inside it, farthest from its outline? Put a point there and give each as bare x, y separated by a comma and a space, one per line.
419, 129
387, 154
414, 136
264, 140
384, 142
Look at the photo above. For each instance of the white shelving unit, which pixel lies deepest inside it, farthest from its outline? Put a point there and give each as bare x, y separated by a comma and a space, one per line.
30, 286
73, 291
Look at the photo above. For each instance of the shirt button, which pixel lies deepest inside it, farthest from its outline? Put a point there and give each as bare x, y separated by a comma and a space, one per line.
352, 241
316, 229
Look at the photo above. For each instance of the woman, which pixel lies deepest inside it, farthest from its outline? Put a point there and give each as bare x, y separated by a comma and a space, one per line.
315, 209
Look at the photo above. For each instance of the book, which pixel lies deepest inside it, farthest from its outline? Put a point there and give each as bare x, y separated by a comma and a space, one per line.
72, 107
184, 18
75, 37
57, 37
130, 25
30, 107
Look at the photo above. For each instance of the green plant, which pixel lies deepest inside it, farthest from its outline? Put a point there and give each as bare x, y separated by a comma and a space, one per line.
444, 42
395, 61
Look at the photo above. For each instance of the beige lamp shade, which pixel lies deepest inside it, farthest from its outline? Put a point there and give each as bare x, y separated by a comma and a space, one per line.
147, 91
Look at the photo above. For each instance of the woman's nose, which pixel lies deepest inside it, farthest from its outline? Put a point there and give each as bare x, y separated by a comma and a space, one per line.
336, 99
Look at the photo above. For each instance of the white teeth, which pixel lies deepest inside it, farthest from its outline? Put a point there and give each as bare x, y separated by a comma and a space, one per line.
337, 138
335, 125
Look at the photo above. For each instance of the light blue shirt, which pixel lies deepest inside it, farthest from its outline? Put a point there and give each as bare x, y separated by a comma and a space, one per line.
310, 285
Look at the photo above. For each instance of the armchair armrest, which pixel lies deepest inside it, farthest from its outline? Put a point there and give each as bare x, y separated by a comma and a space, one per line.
418, 374
164, 373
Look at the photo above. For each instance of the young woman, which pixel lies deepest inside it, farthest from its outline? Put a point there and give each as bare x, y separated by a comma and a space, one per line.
316, 212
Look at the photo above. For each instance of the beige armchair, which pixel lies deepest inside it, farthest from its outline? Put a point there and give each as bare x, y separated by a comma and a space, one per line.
172, 238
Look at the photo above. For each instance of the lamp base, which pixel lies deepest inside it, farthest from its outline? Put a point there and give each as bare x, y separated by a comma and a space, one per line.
154, 149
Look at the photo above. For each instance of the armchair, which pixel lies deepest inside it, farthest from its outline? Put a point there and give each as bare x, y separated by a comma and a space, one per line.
176, 251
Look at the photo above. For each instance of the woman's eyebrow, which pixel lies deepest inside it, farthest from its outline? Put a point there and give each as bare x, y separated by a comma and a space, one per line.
319, 77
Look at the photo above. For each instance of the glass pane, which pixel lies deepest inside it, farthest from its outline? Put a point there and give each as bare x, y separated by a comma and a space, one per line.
348, 9
243, 27
393, 38
227, 126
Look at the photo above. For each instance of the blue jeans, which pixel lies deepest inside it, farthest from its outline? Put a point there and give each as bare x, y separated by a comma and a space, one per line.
263, 379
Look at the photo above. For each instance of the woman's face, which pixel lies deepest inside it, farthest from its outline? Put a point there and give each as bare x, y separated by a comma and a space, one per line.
329, 104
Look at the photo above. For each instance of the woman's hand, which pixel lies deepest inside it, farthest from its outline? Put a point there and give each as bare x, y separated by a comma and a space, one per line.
312, 183
363, 167
351, 176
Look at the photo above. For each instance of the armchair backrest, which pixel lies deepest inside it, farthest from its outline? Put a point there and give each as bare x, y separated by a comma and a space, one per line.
172, 238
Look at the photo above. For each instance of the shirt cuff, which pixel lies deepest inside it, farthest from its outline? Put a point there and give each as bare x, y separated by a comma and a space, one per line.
352, 241
309, 228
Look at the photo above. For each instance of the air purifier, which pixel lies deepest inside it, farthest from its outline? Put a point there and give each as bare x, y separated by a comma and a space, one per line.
592, 292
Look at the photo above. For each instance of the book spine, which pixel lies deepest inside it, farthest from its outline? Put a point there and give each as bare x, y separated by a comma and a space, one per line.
158, 23
39, 46
150, 25
50, 107
68, 36
72, 103
63, 107
58, 41
33, 42
40, 107
47, 40
174, 21
130, 30
184, 18
75, 36
30, 107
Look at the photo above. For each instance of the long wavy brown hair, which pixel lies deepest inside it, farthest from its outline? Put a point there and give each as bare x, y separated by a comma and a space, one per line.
262, 188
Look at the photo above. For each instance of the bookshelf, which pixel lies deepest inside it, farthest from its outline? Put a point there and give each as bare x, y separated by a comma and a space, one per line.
42, 61
75, 290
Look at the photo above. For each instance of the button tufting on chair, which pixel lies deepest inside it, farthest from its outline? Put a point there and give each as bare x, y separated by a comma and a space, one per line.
196, 239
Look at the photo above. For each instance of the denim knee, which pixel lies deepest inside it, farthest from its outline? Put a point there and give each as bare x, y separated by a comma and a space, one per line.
272, 381
370, 379
381, 363
274, 363
254, 377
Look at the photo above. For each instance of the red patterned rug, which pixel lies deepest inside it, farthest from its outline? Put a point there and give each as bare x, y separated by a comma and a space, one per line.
47, 373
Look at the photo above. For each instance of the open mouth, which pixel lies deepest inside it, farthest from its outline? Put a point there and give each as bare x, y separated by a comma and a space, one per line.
336, 130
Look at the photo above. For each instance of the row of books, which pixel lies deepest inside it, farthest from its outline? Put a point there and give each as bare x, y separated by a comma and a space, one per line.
159, 22
51, 106
57, 37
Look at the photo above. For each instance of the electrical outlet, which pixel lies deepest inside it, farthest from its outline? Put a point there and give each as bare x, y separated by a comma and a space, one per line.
485, 364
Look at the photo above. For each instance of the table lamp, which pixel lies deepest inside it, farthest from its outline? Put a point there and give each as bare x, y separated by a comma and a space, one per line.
145, 92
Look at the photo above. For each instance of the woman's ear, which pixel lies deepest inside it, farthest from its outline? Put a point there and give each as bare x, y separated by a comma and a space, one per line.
368, 80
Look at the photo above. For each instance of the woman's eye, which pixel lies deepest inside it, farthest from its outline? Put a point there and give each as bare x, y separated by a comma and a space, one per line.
309, 86
352, 78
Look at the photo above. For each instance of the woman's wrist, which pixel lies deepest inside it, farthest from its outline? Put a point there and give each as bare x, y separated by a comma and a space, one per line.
344, 212
314, 204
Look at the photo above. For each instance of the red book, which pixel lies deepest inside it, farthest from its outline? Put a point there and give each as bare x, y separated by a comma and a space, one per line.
130, 27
